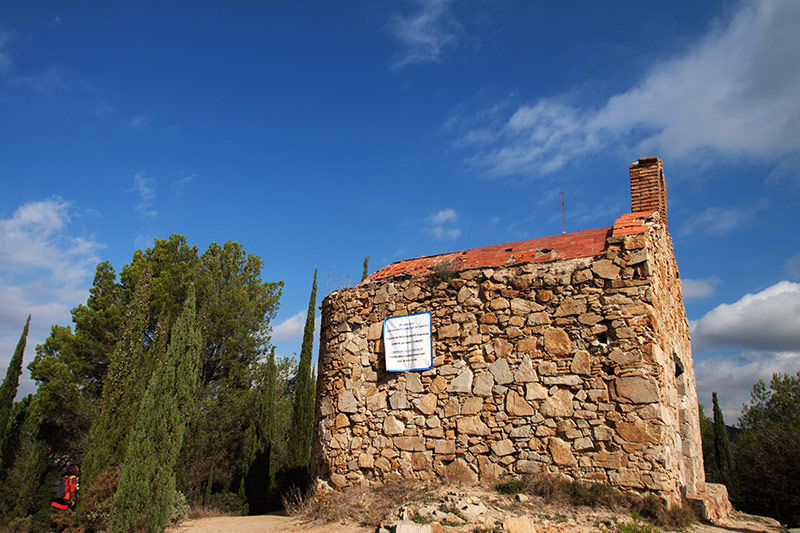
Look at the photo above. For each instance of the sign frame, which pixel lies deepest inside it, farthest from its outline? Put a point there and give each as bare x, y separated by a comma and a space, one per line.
396, 366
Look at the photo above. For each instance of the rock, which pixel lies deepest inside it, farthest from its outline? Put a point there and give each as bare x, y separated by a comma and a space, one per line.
516, 405
490, 472
338, 480
472, 405
571, 306
525, 372
413, 382
444, 447
398, 400
558, 405
461, 383
560, 452
342, 421
518, 524
420, 461
605, 269
502, 348
527, 467
375, 331
459, 472
472, 425
639, 432
472, 511
448, 331
366, 461
581, 363
347, 402
426, 404
535, 391
501, 372
376, 401
464, 293
520, 307
407, 526
637, 389
483, 384
410, 444
557, 342
393, 426
568, 380
528, 344
502, 447
583, 443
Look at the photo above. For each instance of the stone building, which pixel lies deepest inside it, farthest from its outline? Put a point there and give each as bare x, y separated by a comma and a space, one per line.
567, 354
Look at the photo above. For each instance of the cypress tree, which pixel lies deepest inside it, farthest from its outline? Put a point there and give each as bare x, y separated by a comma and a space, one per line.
366, 269
722, 449
8, 390
303, 413
108, 437
264, 428
143, 501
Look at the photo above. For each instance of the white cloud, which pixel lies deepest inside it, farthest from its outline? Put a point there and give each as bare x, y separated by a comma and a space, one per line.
145, 187
792, 266
733, 379
139, 121
698, 288
768, 320
180, 184
442, 225
45, 270
732, 94
722, 220
293, 327
427, 33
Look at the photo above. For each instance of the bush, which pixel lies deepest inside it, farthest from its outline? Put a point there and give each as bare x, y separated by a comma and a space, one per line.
228, 503
180, 509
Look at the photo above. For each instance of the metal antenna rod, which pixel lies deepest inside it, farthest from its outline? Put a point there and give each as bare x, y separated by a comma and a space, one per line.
563, 214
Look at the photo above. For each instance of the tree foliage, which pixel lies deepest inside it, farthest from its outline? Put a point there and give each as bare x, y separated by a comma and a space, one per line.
8, 390
303, 414
723, 461
143, 501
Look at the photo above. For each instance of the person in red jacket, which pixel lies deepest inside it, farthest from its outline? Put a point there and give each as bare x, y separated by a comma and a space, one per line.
69, 481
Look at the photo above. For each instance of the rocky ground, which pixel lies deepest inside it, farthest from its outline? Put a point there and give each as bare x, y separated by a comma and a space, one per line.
449, 510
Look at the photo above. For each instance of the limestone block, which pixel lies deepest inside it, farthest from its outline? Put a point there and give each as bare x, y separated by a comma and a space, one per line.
527, 345
502, 447
498, 304
571, 306
548, 368
527, 467
472, 405
448, 331
557, 342
605, 269
516, 405
461, 383
465, 293
483, 384
637, 389
558, 405
393, 426
535, 391
444, 447
639, 432
408, 444
347, 402
341, 421
582, 444
472, 425
413, 382
520, 307
426, 404
501, 372
398, 400
366, 461
518, 524
502, 348
560, 452
569, 380
581, 363
459, 471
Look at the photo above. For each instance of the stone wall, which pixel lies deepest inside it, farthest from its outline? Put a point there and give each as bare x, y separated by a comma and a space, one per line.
580, 367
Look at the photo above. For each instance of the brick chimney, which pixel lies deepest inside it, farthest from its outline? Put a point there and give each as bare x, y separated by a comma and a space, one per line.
648, 189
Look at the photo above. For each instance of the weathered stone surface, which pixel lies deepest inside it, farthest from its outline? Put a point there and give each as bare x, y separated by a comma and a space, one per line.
637, 389
639, 432
462, 382
347, 402
571, 306
525, 372
366, 461
338, 480
376, 401
557, 342
605, 269
409, 444
393, 426
570, 380
489, 471
483, 384
528, 344
502, 348
444, 447
581, 363
375, 331
535, 391
448, 331
516, 405
518, 524
472, 405
464, 293
558, 405
342, 421
459, 472
502, 447
472, 425
520, 306
527, 467
413, 382
398, 400
426, 404
560, 452
501, 372
548, 368
582, 444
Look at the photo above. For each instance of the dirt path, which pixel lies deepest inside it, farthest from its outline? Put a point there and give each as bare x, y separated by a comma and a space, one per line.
263, 524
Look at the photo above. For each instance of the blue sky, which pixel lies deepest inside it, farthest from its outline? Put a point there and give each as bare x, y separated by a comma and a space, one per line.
318, 133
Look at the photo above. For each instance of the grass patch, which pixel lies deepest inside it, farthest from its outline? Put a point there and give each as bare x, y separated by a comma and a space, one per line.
201, 511
561, 490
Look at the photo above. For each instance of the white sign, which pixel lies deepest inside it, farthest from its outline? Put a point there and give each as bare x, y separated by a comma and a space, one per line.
407, 340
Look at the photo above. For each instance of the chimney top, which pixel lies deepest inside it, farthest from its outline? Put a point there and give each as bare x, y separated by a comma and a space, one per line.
648, 188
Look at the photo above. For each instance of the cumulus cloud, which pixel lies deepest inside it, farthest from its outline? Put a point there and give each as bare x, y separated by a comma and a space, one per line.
292, 328
146, 189
719, 221
45, 270
733, 94
442, 225
733, 379
768, 320
425, 34
699, 288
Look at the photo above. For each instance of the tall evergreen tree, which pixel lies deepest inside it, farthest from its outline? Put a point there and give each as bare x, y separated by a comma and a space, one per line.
365, 274
722, 448
108, 438
143, 501
8, 390
303, 414
264, 430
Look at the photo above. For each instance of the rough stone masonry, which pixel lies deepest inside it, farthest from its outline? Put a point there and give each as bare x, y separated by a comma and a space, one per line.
567, 355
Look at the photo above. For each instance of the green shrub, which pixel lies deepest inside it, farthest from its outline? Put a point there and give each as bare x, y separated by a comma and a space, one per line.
228, 503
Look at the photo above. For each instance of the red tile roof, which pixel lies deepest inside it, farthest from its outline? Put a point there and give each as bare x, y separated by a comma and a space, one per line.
586, 243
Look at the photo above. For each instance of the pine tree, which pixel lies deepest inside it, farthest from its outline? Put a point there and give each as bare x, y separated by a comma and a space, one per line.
108, 437
143, 501
366, 269
303, 414
8, 390
722, 450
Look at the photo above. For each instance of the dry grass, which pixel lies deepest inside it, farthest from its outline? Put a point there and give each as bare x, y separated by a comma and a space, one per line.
201, 511
371, 506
